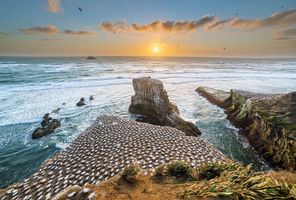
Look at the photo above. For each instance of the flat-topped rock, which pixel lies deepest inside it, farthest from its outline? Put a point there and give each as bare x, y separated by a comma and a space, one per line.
151, 102
105, 149
268, 121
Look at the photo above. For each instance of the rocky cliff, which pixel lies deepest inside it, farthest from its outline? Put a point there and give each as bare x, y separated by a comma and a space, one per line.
151, 102
268, 121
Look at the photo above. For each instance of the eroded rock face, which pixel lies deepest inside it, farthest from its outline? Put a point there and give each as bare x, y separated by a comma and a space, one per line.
151, 102
48, 125
268, 121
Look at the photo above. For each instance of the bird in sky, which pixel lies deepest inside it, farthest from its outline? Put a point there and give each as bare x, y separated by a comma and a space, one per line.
80, 9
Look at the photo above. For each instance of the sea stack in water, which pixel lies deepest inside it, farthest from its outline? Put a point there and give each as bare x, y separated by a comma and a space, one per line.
268, 121
91, 58
152, 104
81, 102
48, 125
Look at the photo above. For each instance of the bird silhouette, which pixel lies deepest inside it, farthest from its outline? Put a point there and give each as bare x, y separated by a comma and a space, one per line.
80, 9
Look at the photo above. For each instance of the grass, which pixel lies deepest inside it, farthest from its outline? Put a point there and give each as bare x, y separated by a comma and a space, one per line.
130, 173
234, 181
181, 170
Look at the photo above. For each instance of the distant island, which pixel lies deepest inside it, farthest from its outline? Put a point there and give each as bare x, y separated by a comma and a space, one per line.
91, 58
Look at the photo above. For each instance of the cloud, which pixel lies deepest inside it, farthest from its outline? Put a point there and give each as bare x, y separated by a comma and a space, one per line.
54, 6
218, 25
81, 33
280, 19
50, 29
288, 34
210, 23
51, 39
157, 26
285, 18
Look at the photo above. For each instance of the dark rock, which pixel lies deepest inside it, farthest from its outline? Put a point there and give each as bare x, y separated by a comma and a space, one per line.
268, 122
48, 125
152, 103
56, 111
91, 97
91, 58
81, 102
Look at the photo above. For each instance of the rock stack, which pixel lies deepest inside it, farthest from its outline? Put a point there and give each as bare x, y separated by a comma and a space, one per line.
152, 104
48, 125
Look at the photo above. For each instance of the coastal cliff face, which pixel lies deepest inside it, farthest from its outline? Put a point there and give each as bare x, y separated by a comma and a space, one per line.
152, 103
268, 121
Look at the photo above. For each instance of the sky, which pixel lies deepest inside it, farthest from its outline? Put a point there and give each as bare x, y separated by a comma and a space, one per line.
200, 28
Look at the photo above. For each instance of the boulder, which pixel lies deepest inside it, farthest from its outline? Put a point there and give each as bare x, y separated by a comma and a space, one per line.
48, 125
81, 102
152, 105
91, 97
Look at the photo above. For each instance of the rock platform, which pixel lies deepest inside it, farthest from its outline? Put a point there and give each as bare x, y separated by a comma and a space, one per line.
105, 149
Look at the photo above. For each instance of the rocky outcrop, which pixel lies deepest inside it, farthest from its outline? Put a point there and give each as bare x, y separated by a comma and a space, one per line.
91, 58
81, 102
268, 121
48, 125
152, 104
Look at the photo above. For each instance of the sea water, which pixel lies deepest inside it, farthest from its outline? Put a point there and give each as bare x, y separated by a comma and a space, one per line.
31, 87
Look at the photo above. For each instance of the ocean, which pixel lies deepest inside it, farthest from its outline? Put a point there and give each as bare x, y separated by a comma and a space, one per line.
31, 87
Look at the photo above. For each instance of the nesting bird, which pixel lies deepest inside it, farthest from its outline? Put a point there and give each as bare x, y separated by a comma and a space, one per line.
105, 149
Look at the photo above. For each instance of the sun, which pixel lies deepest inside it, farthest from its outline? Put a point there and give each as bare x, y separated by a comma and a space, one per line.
156, 49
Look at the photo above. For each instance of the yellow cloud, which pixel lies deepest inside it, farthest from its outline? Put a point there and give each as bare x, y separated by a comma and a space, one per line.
157, 26
54, 6
50, 29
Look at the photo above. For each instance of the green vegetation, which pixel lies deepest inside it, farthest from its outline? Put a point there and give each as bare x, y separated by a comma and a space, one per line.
235, 181
130, 173
178, 169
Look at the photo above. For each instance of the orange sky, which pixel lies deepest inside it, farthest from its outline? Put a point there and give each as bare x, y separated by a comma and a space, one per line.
194, 28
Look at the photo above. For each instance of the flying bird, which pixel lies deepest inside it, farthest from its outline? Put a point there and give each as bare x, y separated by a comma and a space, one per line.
224, 49
80, 9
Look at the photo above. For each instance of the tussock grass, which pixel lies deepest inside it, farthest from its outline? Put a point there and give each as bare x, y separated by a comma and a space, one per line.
178, 169
130, 173
234, 181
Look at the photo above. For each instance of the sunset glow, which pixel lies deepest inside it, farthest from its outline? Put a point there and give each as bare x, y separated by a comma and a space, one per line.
156, 49
183, 28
